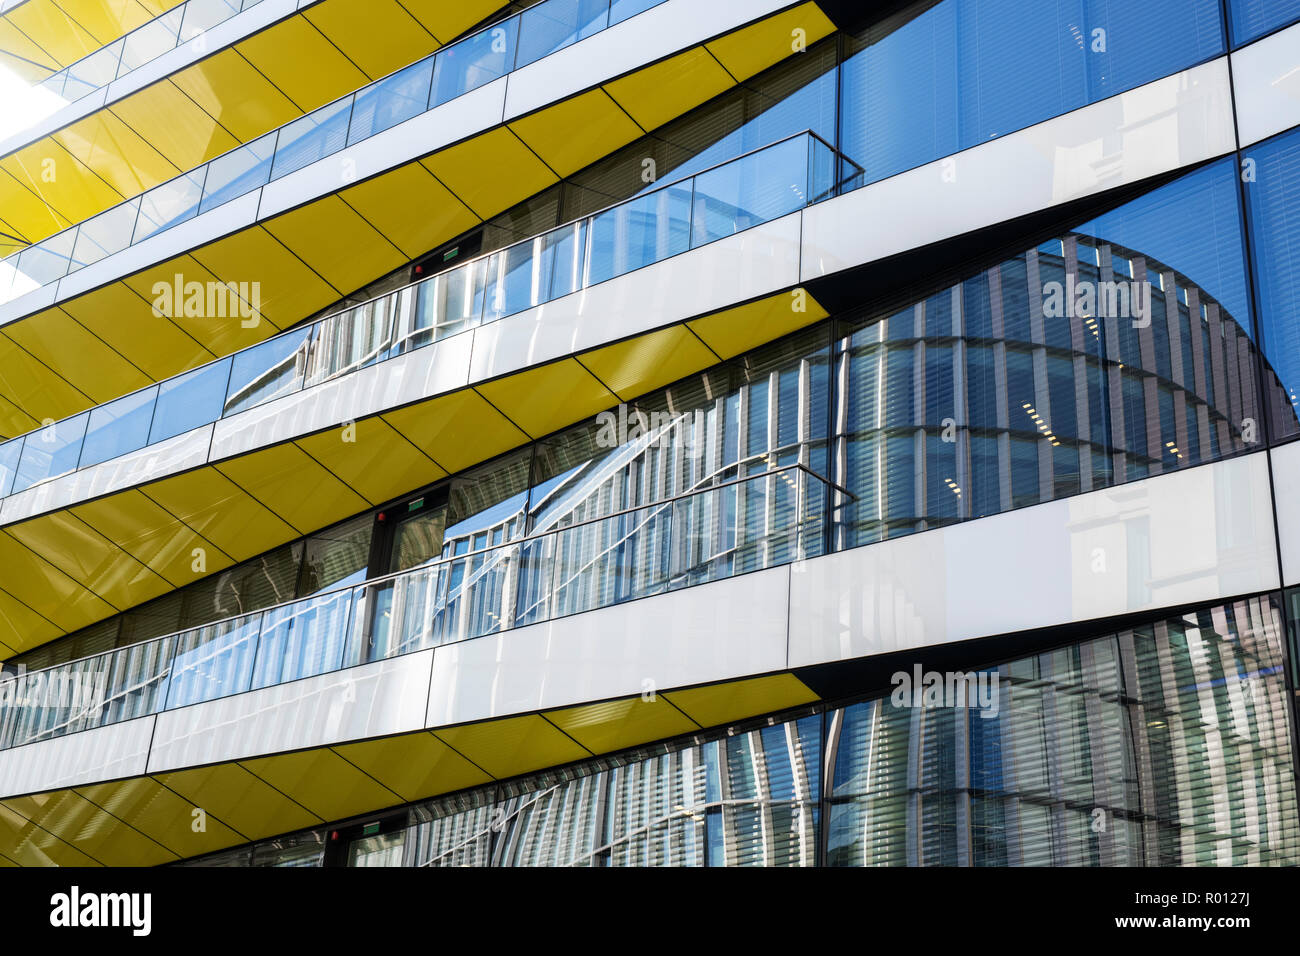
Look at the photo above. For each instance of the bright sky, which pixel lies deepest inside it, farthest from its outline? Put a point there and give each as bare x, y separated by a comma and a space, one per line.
24, 104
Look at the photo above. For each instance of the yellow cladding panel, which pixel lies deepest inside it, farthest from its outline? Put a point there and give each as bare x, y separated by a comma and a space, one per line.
58, 34
175, 125
116, 152
62, 343
666, 90
21, 627
647, 362
298, 59
216, 508
413, 210
576, 132
106, 20
414, 766
34, 388
614, 725
542, 400
744, 327
447, 21
514, 745
125, 321
243, 801
457, 430
26, 213
152, 536
492, 172
219, 334
330, 237
60, 180
28, 845
323, 782
722, 703
76, 820
373, 459
13, 420
21, 55
287, 289
756, 47
378, 35
90, 559
293, 486
162, 815
238, 96
46, 589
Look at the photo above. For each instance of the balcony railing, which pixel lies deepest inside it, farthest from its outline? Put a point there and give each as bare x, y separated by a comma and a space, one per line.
727, 528
664, 221
428, 83
145, 43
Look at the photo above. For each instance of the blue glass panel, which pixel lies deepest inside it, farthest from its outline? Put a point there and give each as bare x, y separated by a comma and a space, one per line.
169, 204
570, 245
966, 71
190, 400
449, 303
620, 10
213, 661
302, 639
266, 371
1253, 18
201, 15
50, 451
1212, 256
638, 233
89, 74
530, 273
238, 172
392, 100
151, 40
474, 61
320, 133
758, 188
1273, 201
555, 24
48, 261
1128, 44
107, 233
119, 427
10, 452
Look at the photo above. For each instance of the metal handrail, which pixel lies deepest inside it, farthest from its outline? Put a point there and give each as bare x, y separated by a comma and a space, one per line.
165, 675
469, 264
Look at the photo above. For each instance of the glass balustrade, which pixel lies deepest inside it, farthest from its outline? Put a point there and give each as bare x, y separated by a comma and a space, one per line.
663, 221
725, 528
161, 35
437, 79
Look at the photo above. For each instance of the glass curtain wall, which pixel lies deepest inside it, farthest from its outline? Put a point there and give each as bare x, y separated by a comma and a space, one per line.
1120, 350
1165, 744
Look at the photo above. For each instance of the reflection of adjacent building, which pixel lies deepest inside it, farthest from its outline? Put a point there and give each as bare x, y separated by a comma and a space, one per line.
973, 401
1160, 745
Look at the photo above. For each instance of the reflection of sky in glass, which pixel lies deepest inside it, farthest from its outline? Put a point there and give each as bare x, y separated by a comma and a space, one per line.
489, 517
967, 71
1192, 225
510, 507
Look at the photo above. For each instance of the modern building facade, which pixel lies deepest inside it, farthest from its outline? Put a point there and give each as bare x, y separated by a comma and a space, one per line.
645, 432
